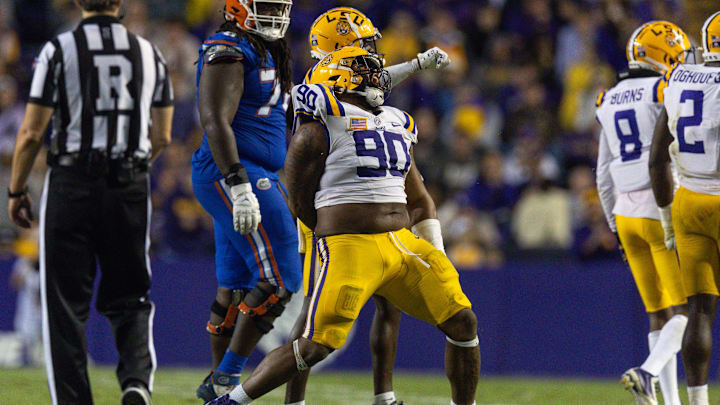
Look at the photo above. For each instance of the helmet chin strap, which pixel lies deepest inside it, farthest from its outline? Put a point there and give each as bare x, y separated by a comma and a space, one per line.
374, 96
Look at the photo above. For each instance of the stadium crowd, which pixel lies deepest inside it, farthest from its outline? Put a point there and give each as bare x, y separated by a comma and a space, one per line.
507, 133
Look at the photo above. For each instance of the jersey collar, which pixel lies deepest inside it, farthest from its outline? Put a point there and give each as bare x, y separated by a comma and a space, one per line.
100, 19
635, 73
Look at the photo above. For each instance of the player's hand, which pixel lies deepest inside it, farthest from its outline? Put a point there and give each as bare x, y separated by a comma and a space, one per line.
666, 221
433, 58
20, 211
246, 209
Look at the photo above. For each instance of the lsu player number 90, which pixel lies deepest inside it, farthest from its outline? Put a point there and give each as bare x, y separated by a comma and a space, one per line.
628, 113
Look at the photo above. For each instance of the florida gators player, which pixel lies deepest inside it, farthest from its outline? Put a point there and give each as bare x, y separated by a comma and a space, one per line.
243, 72
689, 132
352, 179
627, 114
335, 29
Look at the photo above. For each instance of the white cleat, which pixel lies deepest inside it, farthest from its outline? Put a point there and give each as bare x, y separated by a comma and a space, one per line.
641, 384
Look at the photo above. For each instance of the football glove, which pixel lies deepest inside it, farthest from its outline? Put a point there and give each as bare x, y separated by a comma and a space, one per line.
666, 221
246, 209
433, 58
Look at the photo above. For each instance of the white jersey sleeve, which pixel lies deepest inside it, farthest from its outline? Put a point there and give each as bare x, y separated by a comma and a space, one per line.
606, 189
317, 102
692, 100
627, 114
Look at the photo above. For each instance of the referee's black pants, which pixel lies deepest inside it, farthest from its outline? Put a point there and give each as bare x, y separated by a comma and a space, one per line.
86, 220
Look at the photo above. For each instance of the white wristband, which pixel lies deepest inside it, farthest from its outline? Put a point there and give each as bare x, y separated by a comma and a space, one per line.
429, 229
666, 214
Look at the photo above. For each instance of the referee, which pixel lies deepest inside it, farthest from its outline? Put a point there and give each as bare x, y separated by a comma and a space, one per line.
108, 94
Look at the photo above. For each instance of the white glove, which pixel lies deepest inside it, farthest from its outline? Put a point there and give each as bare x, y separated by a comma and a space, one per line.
434, 58
246, 209
666, 221
429, 229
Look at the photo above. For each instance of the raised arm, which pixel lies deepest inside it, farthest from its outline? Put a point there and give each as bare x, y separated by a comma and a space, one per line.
304, 165
421, 208
434, 58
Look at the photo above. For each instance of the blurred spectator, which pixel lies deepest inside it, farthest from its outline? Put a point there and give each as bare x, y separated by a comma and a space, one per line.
592, 237
25, 279
398, 42
541, 220
12, 112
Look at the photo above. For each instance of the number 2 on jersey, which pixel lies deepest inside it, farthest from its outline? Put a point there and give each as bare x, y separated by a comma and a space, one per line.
632, 138
696, 96
376, 149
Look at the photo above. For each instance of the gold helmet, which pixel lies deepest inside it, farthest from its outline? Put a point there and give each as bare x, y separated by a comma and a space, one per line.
711, 38
340, 27
658, 46
353, 70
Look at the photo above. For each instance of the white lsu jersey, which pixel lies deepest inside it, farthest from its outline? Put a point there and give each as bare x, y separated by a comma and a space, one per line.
627, 113
691, 94
369, 155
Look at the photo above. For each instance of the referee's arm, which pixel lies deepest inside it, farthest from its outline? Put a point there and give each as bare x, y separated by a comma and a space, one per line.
28, 144
161, 128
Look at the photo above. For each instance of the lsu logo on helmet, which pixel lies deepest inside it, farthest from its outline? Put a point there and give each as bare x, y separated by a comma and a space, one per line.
658, 46
340, 27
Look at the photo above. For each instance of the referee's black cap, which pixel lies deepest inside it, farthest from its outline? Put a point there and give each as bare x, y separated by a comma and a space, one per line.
98, 5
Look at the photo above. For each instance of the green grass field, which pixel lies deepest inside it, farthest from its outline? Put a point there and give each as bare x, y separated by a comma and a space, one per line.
177, 386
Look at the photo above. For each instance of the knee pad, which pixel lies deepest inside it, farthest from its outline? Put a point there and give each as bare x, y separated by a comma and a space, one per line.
226, 327
468, 343
264, 303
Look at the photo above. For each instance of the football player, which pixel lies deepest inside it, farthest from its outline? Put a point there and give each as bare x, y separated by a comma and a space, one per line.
334, 29
242, 73
688, 131
352, 179
627, 114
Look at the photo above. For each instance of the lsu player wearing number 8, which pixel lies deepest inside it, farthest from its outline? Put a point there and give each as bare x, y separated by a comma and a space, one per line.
688, 134
243, 71
628, 113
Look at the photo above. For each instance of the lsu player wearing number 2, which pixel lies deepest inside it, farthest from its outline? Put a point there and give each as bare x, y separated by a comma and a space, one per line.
352, 179
688, 133
335, 29
243, 72
627, 114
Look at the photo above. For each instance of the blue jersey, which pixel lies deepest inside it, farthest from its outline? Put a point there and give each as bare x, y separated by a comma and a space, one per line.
259, 123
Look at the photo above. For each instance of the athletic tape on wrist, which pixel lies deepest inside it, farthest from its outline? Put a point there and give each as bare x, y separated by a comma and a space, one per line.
301, 365
469, 343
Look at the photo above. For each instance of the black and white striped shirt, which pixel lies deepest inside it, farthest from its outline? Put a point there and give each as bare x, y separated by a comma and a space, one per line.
102, 82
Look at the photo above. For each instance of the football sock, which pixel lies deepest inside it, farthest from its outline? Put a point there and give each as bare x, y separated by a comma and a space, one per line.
453, 403
238, 395
386, 398
297, 403
698, 395
667, 345
232, 363
668, 375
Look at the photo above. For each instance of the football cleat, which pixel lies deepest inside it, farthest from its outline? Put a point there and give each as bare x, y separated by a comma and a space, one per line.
216, 384
223, 400
641, 384
136, 394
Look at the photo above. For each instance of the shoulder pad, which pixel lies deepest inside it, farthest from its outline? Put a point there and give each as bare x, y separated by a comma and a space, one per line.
600, 98
223, 54
409, 123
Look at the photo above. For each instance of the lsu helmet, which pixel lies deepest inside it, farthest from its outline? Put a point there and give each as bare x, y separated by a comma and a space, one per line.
340, 27
658, 46
269, 19
711, 38
354, 70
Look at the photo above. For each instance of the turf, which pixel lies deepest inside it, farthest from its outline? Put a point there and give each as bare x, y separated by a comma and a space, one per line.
177, 386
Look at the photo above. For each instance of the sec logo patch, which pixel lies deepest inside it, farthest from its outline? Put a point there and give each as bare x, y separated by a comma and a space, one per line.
263, 184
